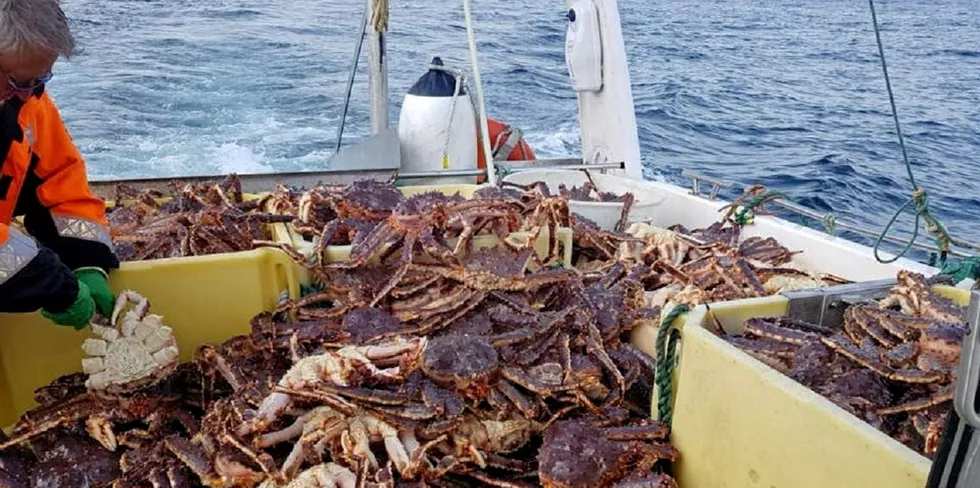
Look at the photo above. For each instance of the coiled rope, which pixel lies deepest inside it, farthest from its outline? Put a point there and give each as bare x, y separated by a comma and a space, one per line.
667, 337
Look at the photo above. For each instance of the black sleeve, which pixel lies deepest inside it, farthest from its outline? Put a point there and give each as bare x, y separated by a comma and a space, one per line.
44, 283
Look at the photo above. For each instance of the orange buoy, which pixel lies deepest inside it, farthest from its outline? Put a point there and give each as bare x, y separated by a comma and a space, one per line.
507, 144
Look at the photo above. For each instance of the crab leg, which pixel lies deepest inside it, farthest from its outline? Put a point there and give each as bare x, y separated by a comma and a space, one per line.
418, 462
263, 460
193, 457
293, 431
38, 430
519, 400
327, 475
286, 248
653, 431
327, 430
943, 395
382, 397
645, 359
406, 261
767, 330
596, 348
767, 348
868, 360
488, 481
378, 242
415, 288
222, 366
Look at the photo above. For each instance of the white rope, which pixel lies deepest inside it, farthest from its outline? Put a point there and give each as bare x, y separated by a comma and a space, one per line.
484, 128
460, 78
449, 123
379, 15
461, 84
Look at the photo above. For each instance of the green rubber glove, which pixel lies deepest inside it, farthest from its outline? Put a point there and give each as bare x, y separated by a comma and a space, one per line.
95, 279
79, 314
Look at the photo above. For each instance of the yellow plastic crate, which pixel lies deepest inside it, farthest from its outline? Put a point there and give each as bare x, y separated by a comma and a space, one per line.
465, 191
192, 293
739, 423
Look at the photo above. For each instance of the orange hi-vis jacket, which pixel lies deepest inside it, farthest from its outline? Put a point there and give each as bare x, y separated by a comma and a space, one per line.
43, 179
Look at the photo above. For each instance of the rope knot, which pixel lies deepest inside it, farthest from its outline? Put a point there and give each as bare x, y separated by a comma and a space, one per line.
933, 226
829, 223
741, 211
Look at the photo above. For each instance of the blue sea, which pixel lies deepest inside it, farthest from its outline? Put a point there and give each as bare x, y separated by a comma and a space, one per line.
786, 93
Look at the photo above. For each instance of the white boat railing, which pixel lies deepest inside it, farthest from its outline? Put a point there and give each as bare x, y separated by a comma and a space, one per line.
263, 182
829, 221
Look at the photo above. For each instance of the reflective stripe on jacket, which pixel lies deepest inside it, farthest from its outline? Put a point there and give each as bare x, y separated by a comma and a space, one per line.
43, 178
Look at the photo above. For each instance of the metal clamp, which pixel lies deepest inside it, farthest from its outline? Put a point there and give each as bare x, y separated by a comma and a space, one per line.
968, 377
825, 306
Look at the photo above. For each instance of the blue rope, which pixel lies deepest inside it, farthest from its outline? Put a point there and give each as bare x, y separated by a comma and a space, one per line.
918, 199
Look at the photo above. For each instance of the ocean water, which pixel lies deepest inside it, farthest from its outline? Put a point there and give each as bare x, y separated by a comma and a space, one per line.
787, 93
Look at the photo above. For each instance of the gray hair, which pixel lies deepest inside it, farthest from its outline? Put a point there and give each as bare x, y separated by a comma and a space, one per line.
35, 25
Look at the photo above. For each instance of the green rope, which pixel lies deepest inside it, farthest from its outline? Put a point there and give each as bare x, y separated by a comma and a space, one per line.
744, 214
306, 290
667, 337
965, 268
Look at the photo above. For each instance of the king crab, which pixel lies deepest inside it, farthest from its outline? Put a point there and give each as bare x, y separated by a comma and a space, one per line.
579, 453
344, 367
137, 352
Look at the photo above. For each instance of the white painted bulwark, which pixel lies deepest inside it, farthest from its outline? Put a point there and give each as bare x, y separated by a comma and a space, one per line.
607, 122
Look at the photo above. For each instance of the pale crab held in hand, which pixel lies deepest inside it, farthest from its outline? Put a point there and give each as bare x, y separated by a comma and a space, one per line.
137, 354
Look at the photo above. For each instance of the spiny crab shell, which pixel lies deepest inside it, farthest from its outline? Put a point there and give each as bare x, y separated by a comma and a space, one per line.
136, 352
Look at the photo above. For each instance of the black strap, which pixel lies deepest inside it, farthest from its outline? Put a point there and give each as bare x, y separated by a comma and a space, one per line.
10, 130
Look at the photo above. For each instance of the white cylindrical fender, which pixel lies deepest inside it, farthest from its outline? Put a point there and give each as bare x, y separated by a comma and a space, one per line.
423, 124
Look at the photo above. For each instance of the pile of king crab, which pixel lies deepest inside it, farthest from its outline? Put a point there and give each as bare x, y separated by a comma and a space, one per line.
892, 364
193, 220
711, 264
420, 361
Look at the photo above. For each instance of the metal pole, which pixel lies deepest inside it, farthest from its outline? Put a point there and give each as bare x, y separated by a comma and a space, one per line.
451, 173
378, 64
482, 107
350, 77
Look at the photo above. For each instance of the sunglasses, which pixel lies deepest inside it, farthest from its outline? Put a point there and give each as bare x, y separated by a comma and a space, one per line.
21, 90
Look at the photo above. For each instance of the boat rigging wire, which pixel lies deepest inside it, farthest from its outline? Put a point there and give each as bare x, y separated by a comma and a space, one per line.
919, 198
350, 77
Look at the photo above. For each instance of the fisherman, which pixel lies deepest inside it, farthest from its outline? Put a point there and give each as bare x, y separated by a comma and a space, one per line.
63, 272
